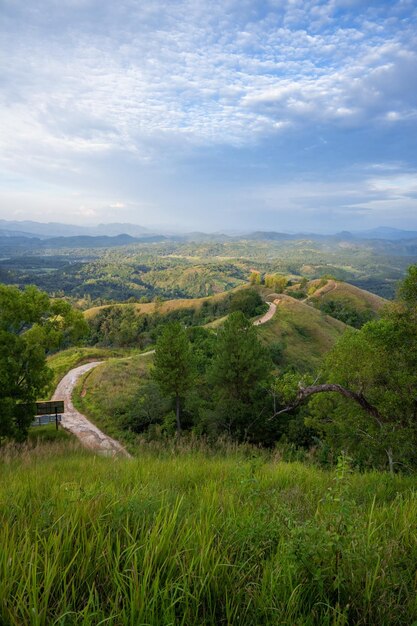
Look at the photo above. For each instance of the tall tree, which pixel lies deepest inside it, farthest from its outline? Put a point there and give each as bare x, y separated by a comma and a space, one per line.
240, 373
30, 325
174, 368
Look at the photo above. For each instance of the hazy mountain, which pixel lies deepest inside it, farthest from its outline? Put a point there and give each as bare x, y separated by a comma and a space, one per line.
56, 229
385, 232
104, 241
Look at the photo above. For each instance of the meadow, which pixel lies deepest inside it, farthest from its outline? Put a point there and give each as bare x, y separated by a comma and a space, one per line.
190, 535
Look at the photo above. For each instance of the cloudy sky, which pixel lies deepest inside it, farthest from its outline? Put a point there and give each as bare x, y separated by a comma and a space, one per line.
210, 114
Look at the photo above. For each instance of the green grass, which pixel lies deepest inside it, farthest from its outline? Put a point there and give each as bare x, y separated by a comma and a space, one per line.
63, 361
201, 539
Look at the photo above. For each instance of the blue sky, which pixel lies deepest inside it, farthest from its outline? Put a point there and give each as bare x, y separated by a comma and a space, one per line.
234, 114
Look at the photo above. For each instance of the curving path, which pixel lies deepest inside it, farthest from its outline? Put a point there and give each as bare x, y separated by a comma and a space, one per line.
268, 315
90, 436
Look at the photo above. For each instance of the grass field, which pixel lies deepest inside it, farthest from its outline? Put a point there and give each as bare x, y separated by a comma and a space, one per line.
197, 538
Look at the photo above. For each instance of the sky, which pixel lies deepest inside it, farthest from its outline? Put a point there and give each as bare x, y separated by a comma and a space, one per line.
287, 115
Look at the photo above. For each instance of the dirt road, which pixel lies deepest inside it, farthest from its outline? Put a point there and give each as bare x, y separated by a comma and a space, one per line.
90, 436
268, 315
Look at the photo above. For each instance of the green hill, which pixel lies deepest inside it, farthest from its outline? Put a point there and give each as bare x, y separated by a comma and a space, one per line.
166, 306
300, 334
344, 292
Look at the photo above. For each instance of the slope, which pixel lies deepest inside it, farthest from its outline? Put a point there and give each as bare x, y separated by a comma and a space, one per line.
298, 334
359, 299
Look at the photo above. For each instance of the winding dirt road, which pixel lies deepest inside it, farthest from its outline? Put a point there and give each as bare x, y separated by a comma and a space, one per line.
89, 435
268, 315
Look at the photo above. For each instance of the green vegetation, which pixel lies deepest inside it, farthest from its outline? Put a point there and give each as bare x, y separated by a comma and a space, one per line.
196, 269
30, 325
196, 537
139, 325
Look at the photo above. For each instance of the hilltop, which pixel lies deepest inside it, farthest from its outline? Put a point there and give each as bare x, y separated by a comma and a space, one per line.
342, 291
299, 334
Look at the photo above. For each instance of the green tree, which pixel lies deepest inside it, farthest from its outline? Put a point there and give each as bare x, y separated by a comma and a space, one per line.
240, 373
31, 325
174, 368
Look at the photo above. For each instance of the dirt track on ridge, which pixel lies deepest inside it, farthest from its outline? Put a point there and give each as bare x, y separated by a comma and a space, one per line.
268, 315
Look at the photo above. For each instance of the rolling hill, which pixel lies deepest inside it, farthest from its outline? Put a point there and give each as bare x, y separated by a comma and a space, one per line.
341, 291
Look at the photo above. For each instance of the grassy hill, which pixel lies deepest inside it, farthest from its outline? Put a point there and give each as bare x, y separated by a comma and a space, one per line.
166, 306
334, 290
302, 334
198, 537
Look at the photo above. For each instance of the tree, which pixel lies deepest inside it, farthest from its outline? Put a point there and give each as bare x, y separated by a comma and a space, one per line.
248, 301
371, 375
255, 277
174, 369
277, 282
240, 373
31, 325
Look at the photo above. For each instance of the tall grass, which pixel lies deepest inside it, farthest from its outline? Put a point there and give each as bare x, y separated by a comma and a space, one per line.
192, 539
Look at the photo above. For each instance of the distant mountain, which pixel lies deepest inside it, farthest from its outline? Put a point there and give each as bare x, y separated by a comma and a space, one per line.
87, 241
267, 236
56, 229
385, 232
31, 229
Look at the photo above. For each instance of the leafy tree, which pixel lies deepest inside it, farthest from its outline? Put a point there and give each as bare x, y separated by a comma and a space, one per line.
174, 368
344, 311
240, 373
30, 326
248, 301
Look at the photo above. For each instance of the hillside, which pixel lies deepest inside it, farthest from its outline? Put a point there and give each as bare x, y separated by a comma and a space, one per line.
341, 291
164, 307
301, 334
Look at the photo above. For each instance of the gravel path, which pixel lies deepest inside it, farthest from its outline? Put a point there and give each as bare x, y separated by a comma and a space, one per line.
268, 315
90, 436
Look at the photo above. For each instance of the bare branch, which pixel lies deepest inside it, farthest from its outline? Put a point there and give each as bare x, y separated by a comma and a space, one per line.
305, 392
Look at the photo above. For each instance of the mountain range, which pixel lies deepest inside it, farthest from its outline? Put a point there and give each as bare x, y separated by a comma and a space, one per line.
55, 234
